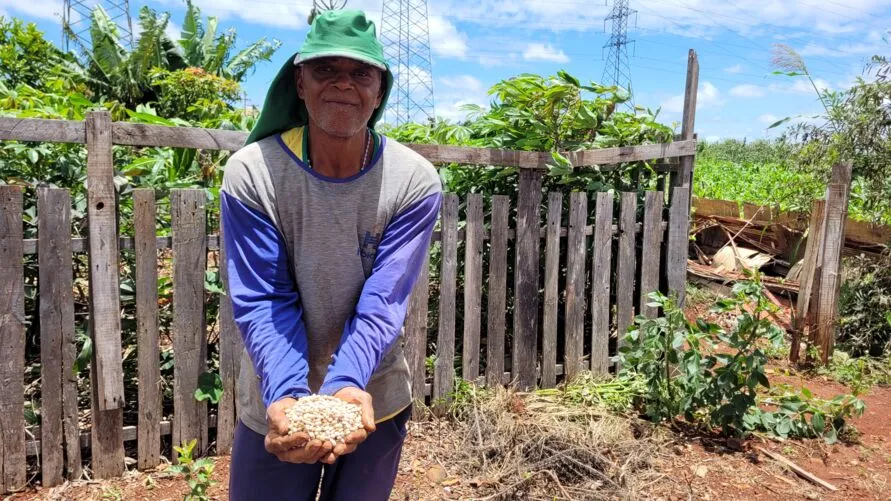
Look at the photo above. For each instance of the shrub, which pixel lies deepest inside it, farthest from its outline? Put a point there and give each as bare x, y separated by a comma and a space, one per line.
865, 306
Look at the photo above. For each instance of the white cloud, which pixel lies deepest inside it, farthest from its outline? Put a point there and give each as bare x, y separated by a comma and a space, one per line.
41, 9
445, 39
464, 83
542, 52
844, 50
747, 90
767, 118
736, 68
708, 97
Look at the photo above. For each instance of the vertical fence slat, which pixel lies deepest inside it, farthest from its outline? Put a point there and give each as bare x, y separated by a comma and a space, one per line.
445, 345
836, 213
148, 351
416, 331
497, 290
526, 301
473, 271
576, 246
678, 242
106, 371
231, 349
551, 291
803, 310
601, 271
56, 323
651, 259
189, 339
70, 414
684, 175
12, 341
626, 265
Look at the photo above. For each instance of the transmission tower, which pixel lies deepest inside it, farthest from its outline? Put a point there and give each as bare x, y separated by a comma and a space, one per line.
405, 35
617, 69
77, 16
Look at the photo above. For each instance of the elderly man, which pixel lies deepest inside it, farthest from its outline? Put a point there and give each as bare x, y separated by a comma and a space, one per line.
327, 225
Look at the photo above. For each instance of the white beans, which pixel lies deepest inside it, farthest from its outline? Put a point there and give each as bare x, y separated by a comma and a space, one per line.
325, 418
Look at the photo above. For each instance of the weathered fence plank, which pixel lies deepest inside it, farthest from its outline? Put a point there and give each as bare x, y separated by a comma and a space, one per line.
106, 371
416, 332
626, 265
188, 219
148, 350
526, 301
551, 291
12, 342
576, 247
103, 251
803, 313
651, 250
231, 350
678, 243
473, 283
601, 271
837, 196
56, 312
444, 373
684, 176
497, 290
135, 134
31, 129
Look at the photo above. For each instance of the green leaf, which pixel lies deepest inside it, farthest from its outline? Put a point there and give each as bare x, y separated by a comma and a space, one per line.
85, 355
210, 387
33, 156
779, 122
818, 423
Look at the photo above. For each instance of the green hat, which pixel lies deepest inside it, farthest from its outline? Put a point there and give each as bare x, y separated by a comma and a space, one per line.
334, 33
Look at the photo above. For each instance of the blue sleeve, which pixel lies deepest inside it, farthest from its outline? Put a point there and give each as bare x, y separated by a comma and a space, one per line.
264, 298
380, 311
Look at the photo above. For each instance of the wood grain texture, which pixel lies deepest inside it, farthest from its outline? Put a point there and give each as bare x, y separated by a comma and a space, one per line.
231, 351
148, 350
601, 272
551, 291
651, 250
526, 282
709, 207
135, 134
34, 129
105, 314
189, 338
625, 266
497, 290
806, 280
106, 372
416, 332
678, 243
836, 213
56, 311
473, 283
444, 371
12, 342
684, 176
576, 248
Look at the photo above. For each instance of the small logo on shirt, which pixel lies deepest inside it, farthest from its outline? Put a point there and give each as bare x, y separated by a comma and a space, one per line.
368, 247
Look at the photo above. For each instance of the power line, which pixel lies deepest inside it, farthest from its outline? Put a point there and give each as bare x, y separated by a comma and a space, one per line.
617, 70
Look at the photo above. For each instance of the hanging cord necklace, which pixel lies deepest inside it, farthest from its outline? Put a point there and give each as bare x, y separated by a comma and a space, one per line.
368, 141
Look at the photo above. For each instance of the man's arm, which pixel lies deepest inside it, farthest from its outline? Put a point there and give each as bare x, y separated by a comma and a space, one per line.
264, 300
380, 311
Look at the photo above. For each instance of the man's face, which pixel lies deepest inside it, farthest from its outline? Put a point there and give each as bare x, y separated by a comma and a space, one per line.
340, 93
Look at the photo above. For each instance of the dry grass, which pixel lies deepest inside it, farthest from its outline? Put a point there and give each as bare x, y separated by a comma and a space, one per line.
529, 446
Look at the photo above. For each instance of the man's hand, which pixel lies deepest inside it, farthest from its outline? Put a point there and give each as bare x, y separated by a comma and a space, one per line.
363, 400
293, 448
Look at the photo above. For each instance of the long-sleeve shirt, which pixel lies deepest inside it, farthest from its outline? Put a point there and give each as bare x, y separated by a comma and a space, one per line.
321, 270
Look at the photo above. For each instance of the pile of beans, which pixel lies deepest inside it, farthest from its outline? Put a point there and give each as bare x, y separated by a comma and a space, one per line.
324, 418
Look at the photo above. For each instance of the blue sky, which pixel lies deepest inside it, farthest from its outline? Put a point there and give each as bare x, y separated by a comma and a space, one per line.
477, 43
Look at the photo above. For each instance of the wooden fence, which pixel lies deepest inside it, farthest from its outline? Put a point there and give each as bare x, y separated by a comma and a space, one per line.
650, 253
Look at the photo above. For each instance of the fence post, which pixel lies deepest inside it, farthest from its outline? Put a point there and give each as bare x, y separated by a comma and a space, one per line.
601, 271
106, 371
12, 341
188, 221
231, 351
576, 246
836, 213
473, 275
682, 183
416, 333
804, 313
651, 247
551, 292
626, 266
525, 341
55, 282
444, 373
147, 349
497, 297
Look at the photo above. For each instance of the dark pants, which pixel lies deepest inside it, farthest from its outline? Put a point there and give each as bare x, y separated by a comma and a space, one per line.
368, 473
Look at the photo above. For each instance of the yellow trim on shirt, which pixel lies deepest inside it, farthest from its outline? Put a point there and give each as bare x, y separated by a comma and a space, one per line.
293, 139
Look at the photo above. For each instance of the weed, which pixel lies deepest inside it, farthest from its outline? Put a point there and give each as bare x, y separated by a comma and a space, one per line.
197, 473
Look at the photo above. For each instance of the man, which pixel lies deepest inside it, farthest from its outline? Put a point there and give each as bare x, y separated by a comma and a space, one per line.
327, 224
